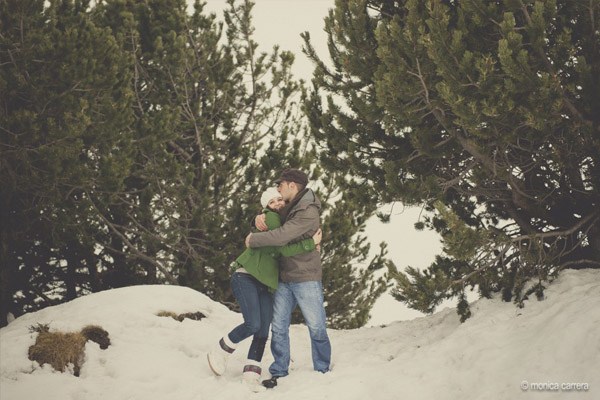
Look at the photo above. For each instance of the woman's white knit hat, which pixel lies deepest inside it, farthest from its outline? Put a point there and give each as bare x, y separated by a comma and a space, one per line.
268, 195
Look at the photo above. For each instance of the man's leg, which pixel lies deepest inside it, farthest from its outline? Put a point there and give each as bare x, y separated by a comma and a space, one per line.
283, 305
309, 296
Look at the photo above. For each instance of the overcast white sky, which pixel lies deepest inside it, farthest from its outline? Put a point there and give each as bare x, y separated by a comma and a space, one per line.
281, 22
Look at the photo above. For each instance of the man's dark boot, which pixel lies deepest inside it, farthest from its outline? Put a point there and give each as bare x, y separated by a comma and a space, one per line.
270, 383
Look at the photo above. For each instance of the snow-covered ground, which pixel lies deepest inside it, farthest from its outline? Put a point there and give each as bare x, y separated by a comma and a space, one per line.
549, 345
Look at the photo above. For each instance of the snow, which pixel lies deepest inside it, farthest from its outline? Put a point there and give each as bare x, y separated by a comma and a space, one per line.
554, 343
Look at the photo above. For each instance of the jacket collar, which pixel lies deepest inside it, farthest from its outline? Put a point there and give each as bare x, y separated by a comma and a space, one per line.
288, 207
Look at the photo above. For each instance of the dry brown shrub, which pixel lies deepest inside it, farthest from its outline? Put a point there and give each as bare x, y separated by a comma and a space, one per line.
96, 334
197, 316
168, 314
59, 350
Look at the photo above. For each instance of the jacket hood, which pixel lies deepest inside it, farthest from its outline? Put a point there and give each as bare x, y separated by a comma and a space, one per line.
310, 198
302, 200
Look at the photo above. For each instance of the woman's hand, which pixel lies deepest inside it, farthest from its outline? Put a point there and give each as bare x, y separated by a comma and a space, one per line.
260, 223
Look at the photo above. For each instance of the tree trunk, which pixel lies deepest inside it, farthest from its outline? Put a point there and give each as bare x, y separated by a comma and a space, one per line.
6, 290
70, 276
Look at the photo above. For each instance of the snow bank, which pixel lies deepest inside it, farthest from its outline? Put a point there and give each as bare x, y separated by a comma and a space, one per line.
544, 347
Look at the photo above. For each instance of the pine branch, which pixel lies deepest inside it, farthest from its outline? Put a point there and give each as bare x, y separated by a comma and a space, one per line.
130, 245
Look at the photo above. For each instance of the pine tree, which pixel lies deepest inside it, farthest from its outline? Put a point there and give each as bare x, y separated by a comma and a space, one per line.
231, 124
64, 114
352, 283
487, 108
137, 139
206, 102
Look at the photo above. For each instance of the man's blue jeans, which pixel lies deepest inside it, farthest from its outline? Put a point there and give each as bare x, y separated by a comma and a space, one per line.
309, 297
256, 303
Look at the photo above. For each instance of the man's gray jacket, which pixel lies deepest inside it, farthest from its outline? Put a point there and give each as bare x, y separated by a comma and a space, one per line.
302, 222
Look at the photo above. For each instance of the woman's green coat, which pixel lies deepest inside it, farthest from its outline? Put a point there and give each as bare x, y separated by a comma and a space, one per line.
262, 262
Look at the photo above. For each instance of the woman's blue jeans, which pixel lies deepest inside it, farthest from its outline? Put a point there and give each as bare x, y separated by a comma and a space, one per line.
309, 297
256, 303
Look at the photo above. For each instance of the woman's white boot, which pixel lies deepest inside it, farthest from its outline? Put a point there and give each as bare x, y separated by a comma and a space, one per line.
251, 376
218, 356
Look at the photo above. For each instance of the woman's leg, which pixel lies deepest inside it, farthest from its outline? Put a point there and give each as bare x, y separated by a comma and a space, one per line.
246, 291
257, 348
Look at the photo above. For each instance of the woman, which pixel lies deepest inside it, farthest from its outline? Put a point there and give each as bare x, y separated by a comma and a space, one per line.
254, 279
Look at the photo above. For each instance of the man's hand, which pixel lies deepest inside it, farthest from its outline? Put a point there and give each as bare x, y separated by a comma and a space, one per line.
260, 223
318, 236
248, 240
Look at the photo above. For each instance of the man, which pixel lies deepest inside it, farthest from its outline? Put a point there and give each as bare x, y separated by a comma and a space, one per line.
299, 276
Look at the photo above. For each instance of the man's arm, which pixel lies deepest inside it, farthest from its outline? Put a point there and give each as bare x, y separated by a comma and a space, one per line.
304, 221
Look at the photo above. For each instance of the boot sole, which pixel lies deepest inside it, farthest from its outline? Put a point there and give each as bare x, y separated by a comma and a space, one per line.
211, 367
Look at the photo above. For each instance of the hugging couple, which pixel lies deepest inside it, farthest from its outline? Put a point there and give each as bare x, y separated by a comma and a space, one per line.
279, 270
